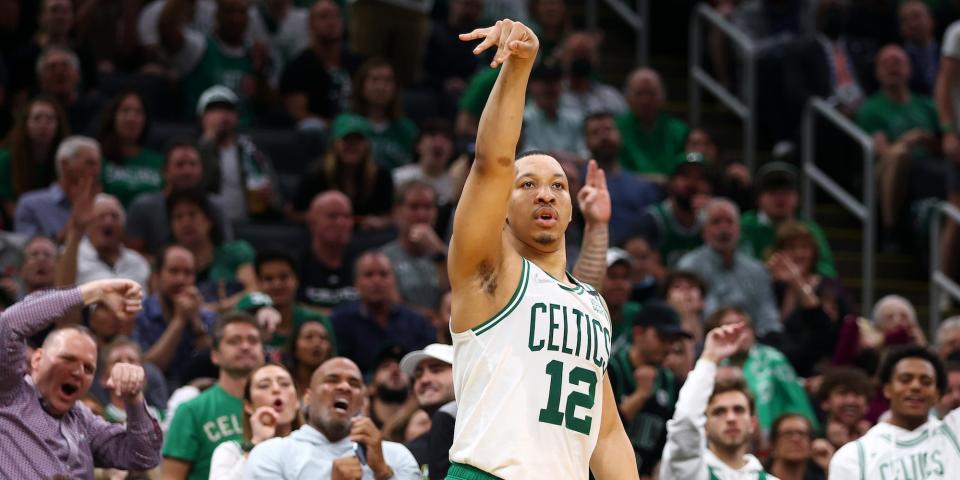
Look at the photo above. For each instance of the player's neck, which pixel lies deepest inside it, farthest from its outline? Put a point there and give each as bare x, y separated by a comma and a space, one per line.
554, 263
907, 423
732, 457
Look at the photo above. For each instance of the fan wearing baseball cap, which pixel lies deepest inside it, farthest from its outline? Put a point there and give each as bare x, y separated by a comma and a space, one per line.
645, 389
431, 370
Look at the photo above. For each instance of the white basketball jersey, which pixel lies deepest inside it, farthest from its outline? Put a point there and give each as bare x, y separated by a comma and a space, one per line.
529, 382
888, 452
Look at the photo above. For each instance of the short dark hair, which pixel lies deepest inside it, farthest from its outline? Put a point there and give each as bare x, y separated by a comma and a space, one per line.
713, 321
850, 377
177, 142
675, 276
736, 384
598, 115
161, 258
229, 318
435, 126
530, 153
775, 426
894, 357
273, 255
951, 367
198, 198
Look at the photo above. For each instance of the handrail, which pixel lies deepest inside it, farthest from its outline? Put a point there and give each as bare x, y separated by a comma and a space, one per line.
746, 109
938, 279
862, 209
638, 20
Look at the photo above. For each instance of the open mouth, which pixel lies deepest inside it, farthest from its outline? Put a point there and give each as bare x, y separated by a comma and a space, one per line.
340, 405
545, 216
68, 389
278, 405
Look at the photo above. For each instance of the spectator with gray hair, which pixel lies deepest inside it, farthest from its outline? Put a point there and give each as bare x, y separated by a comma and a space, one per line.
47, 211
947, 341
733, 278
896, 319
59, 75
94, 248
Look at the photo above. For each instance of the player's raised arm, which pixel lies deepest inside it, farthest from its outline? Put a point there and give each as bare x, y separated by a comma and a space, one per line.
476, 245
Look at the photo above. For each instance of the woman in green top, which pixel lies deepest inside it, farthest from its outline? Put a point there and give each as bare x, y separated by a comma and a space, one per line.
375, 98
27, 156
224, 270
128, 168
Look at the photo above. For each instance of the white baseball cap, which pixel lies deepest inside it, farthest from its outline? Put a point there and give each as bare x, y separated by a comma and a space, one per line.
439, 351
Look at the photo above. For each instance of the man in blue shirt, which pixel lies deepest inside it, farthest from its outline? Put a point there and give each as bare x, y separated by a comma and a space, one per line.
46, 211
630, 195
362, 327
172, 329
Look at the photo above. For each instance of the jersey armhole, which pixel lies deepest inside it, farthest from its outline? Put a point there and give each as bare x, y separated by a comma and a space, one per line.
507, 309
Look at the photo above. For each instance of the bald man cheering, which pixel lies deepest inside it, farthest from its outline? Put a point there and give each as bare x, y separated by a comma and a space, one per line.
44, 431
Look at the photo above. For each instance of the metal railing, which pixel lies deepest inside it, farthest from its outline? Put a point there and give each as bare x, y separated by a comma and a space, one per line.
637, 18
747, 49
939, 280
862, 209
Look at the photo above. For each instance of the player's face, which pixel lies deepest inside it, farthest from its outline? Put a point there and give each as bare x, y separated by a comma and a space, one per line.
729, 422
912, 390
951, 398
433, 383
540, 207
845, 405
335, 396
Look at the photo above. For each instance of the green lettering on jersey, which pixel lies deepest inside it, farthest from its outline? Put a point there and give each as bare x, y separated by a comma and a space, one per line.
553, 327
598, 329
533, 327
578, 314
566, 328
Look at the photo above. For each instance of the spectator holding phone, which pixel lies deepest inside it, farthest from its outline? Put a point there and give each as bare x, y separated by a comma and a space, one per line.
336, 442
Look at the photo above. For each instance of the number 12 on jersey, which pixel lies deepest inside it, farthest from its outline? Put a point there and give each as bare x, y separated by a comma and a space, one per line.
552, 413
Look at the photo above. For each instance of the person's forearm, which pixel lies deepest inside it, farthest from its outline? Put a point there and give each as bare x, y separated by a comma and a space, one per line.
135, 446
943, 92
67, 265
614, 458
161, 353
170, 25
633, 404
591, 266
499, 129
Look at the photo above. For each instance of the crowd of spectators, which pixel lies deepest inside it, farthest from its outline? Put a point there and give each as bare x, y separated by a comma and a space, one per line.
279, 177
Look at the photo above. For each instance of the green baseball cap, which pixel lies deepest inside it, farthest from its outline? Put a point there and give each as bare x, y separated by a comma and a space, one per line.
688, 159
254, 301
348, 124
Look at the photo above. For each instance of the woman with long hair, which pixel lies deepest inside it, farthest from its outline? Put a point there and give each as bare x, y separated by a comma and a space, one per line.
375, 97
348, 167
224, 268
311, 344
128, 168
28, 151
271, 408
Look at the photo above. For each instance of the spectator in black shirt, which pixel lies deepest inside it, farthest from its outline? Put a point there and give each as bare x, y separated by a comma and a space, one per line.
58, 75
316, 84
327, 277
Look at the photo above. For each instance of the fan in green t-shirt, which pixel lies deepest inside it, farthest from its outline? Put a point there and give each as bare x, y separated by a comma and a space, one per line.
651, 138
393, 134
215, 416
129, 169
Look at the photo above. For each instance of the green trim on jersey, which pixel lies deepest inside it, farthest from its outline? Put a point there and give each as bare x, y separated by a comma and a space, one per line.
952, 437
861, 460
913, 441
462, 471
511, 305
577, 288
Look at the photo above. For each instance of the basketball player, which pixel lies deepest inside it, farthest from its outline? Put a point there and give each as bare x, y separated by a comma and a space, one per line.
531, 343
911, 444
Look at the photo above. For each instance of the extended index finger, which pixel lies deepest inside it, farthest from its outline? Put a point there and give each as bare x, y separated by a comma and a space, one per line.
475, 34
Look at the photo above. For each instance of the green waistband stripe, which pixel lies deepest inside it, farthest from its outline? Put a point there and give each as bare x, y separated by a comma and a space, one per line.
460, 471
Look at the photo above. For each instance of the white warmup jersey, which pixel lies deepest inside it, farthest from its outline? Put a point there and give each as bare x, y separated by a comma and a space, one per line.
888, 452
529, 382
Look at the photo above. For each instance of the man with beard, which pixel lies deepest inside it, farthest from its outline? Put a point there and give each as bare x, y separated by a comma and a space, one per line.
173, 325
215, 416
630, 195
672, 227
336, 442
645, 389
911, 443
390, 387
94, 246
732, 278
844, 395
432, 372
315, 86
709, 434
